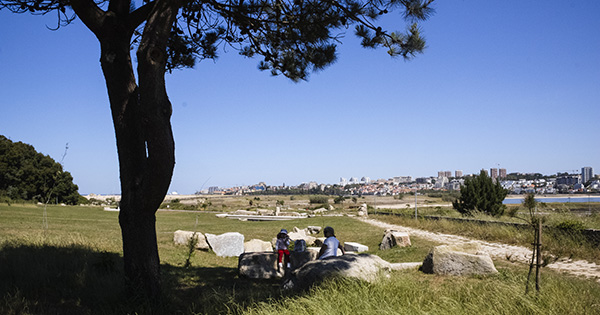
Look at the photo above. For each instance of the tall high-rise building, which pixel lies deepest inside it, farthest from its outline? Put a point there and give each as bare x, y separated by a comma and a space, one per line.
446, 174
493, 173
458, 174
586, 174
502, 173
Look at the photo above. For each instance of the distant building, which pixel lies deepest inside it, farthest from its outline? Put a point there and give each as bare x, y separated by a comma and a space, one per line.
454, 184
213, 189
494, 173
458, 174
587, 173
441, 182
423, 180
446, 174
568, 180
502, 173
402, 179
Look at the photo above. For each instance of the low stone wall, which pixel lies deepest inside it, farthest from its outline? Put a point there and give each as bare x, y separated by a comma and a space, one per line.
592, 235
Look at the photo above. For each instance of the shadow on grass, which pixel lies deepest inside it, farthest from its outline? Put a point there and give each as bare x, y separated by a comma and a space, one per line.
46, 279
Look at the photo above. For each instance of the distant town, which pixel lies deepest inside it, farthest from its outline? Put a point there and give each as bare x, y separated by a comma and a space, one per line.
516, 183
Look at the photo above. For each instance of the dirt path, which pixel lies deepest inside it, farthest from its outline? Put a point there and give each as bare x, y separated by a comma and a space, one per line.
500, 251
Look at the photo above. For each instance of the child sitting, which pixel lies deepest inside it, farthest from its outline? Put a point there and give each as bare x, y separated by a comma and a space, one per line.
283, 241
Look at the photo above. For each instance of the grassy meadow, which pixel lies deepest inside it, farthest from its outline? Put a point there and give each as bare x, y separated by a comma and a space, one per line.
74, 267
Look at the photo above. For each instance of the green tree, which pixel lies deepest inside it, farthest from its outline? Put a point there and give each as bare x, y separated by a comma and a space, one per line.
480, 193
26, 174
339, 199
293, 37
530, 204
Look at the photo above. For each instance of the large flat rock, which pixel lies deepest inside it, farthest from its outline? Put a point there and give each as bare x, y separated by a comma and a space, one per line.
393, 238
256, 245
184, 237
361, 266
229, 244
458, 260
258, 265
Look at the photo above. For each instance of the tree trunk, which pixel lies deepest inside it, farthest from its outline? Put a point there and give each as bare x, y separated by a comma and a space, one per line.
538, 264
148, 155
141, 116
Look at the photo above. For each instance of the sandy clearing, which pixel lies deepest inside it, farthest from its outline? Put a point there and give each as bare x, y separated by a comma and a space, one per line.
499, 251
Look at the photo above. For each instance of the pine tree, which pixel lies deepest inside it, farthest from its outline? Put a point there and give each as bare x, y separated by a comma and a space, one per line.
293, 37
481, 194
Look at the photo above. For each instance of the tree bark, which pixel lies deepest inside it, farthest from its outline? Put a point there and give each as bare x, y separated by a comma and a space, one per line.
148, 157
141, 117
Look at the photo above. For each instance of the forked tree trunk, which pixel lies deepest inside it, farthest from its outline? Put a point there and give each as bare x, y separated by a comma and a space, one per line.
146, 178
141, 116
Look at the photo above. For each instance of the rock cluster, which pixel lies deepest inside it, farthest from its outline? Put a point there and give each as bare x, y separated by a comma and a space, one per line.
257, 260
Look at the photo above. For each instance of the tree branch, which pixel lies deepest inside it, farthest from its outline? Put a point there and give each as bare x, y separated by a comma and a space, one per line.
90, 14
140, 15
119, 7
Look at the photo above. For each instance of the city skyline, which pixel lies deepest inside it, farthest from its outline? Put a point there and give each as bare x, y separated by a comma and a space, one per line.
501, 84
404, 178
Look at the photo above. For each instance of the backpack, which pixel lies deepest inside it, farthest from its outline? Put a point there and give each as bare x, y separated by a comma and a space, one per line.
300, 246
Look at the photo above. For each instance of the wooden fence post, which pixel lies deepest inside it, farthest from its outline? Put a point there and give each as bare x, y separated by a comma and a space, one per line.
538, 265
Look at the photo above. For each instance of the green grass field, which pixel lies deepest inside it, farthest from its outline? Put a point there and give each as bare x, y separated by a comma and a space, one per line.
74, 267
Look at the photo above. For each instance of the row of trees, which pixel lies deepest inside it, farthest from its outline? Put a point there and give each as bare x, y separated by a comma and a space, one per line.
26, 174
328, 191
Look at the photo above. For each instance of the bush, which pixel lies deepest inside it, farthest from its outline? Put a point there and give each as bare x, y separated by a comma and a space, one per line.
512, 211
82, 200
318, 199
571, 225
339, 200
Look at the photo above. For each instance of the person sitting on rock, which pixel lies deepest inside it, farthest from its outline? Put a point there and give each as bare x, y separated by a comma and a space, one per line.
282, 244
330, 245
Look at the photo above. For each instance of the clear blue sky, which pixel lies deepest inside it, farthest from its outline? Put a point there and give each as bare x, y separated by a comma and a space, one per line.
510, 84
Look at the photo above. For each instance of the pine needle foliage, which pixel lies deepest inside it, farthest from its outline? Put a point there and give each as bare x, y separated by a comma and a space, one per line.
481, 194
293, 37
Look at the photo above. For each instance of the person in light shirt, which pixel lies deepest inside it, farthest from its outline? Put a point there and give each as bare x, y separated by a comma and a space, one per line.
330, 245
